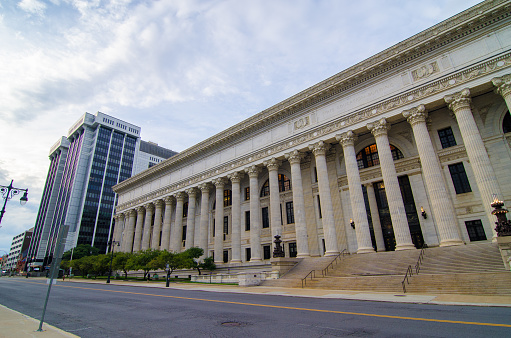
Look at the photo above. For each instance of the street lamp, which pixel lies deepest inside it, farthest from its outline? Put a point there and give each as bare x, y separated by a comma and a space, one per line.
112, 243
10, 191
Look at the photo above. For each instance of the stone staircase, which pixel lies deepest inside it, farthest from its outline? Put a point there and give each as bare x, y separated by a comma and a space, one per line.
475, 268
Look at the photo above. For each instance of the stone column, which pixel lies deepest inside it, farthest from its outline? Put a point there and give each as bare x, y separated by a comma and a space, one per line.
255, 214
236, 217
138, 229
127, 238
359, 211
503, 85
176, 231
375, 217
146, 234
302, 239
388, 170
165, 231
119, 225
442, 208
219, 219
273, 173
327, 210
155, 242
204, 218
190, 222
485, 177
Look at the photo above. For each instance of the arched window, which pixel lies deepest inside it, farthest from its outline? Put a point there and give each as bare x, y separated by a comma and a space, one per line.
506, 124
368, 157
284, 185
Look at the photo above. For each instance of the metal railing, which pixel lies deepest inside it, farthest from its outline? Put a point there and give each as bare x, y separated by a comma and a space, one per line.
312, 274
409, 270
338, 257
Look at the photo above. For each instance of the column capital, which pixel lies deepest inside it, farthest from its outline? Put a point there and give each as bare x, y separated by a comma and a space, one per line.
347, 139
379, 128
253, 171
272, 164
219, 182
236, 177
140, 209
180, 196
149, 207
416, 115
204, 187
503, 85
168, 199
158, 203
192, 192
294, 157
132, 212
319, 148
458, 100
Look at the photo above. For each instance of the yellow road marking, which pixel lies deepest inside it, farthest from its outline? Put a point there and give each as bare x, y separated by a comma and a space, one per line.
293, 308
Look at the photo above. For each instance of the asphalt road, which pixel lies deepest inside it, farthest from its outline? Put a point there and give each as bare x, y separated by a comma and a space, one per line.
97, 310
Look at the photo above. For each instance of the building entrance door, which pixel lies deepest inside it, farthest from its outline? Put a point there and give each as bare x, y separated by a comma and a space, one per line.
411, 214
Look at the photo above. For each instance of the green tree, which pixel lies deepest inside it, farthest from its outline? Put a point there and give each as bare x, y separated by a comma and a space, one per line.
84, 264
100, 264
120, 262
142, 259
171, 259
192, 256
81, 250
208, 264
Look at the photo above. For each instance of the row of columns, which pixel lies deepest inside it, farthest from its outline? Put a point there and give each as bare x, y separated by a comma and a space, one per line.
138, 232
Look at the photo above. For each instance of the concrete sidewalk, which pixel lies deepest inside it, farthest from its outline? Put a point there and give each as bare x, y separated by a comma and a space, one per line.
15, 324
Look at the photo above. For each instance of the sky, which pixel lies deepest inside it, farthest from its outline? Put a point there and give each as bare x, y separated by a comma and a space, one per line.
182, 70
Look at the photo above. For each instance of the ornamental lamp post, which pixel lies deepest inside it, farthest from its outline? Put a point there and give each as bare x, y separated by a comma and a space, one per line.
8, 192
112, 243
503, 227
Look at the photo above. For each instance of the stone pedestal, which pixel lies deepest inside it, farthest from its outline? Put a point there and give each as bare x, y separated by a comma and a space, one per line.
504, 243
283, 264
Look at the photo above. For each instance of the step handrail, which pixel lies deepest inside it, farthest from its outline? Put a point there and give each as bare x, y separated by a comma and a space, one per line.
409, 270
312, 273
342, 253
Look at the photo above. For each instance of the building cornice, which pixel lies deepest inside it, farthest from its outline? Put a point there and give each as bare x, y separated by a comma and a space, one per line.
440, 35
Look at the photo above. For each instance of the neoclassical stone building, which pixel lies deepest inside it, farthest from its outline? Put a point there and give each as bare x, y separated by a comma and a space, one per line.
404, 148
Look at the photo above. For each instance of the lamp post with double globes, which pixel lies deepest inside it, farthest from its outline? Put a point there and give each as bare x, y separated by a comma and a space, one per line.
112, 244
8, 192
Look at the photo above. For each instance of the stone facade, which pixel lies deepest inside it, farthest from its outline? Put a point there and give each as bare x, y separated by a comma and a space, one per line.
402, 149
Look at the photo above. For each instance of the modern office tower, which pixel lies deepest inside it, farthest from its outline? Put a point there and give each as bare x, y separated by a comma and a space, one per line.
17, 254
98, 152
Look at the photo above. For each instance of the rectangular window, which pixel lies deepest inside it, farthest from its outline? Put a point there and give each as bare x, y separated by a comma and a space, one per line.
446, 138
247, 220
247, 193
226, 225
213, 227
292, 249
267, 251
459, 178
248, 254
183, 237
227, 197
319, 207
475, 230
226, 256
315, 174
290, 213
266, 219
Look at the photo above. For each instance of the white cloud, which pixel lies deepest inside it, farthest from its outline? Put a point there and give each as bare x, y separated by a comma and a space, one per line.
33, 6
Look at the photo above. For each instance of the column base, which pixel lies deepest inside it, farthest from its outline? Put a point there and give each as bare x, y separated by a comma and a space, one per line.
235, 262
451, 242
405, 247
365, 250
303, 255
331, 253
256, 260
